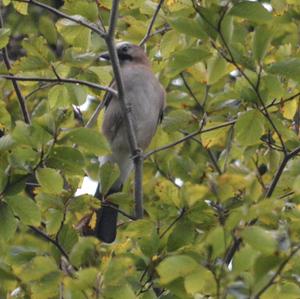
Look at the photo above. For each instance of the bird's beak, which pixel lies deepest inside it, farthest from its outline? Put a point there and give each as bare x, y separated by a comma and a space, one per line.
104, 56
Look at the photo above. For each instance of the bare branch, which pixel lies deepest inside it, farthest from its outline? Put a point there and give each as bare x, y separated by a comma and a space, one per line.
57, 12
148, 33
60, 80
187, 137
136, 152
16, 86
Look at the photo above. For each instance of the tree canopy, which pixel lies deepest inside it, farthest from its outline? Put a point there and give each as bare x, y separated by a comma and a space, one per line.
221, 179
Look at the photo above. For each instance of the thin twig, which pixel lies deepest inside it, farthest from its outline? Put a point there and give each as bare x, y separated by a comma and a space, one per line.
279, 172
187, 86
60, 80
57, 12
44, 86
181, 214
189, 136
54, 242
16, 86
148, 33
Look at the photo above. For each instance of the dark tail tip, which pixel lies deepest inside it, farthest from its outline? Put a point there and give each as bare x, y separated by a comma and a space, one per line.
106, 227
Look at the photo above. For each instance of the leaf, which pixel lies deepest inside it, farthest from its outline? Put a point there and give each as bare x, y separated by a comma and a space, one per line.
20, 7
200, 281
4, 37
74, 34
90, 140
249, 128
109, 173
174, 267
8, 223
67, 159
289, 68
25, 208
50, 180
48, 29
253, 11
184, 59
216, 69
260, 239
261, 41
188, 26
179, 120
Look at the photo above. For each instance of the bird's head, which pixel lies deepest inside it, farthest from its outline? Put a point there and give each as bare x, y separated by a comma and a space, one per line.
128, 54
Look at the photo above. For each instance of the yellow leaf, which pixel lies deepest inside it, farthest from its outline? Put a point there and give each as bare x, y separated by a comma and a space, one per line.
289, 109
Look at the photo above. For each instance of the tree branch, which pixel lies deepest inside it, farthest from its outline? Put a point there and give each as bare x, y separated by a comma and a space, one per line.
136, 152
148, 33
60, 80
16, 86
57, 12
189, 136
280, 170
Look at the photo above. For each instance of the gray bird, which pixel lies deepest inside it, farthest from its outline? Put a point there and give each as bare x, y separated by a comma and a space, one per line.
146, 97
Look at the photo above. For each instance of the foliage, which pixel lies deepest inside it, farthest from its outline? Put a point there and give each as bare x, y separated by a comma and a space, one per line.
222, 205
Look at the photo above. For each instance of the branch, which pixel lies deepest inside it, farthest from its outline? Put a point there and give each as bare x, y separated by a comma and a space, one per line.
277, 273
189, 136
187, 86
57, 12
16, 86
279, 172
128, 118
54, 242
60, 80
148, 33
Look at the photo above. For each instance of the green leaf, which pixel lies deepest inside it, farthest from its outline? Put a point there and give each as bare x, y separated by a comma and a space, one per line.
260, 239
216, 69
184, 59
174, 267
188, 26
50, 180
58, 96
81, 251
183, 234
109, 173
8, 223
74, 34
261, 41
37, 268
48, 29
253, 11
4, 37
289, 68
25, 208
90, 140
249, 128
67, 159
20, 7
200, 281
84, 8
179, 120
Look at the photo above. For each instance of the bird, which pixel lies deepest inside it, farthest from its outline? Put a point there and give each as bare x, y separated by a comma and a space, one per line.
146, 98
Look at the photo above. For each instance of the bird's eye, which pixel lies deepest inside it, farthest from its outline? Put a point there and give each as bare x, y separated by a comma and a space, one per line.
125, 48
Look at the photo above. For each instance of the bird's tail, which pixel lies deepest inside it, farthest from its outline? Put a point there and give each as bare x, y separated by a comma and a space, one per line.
106, 226
107, 217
